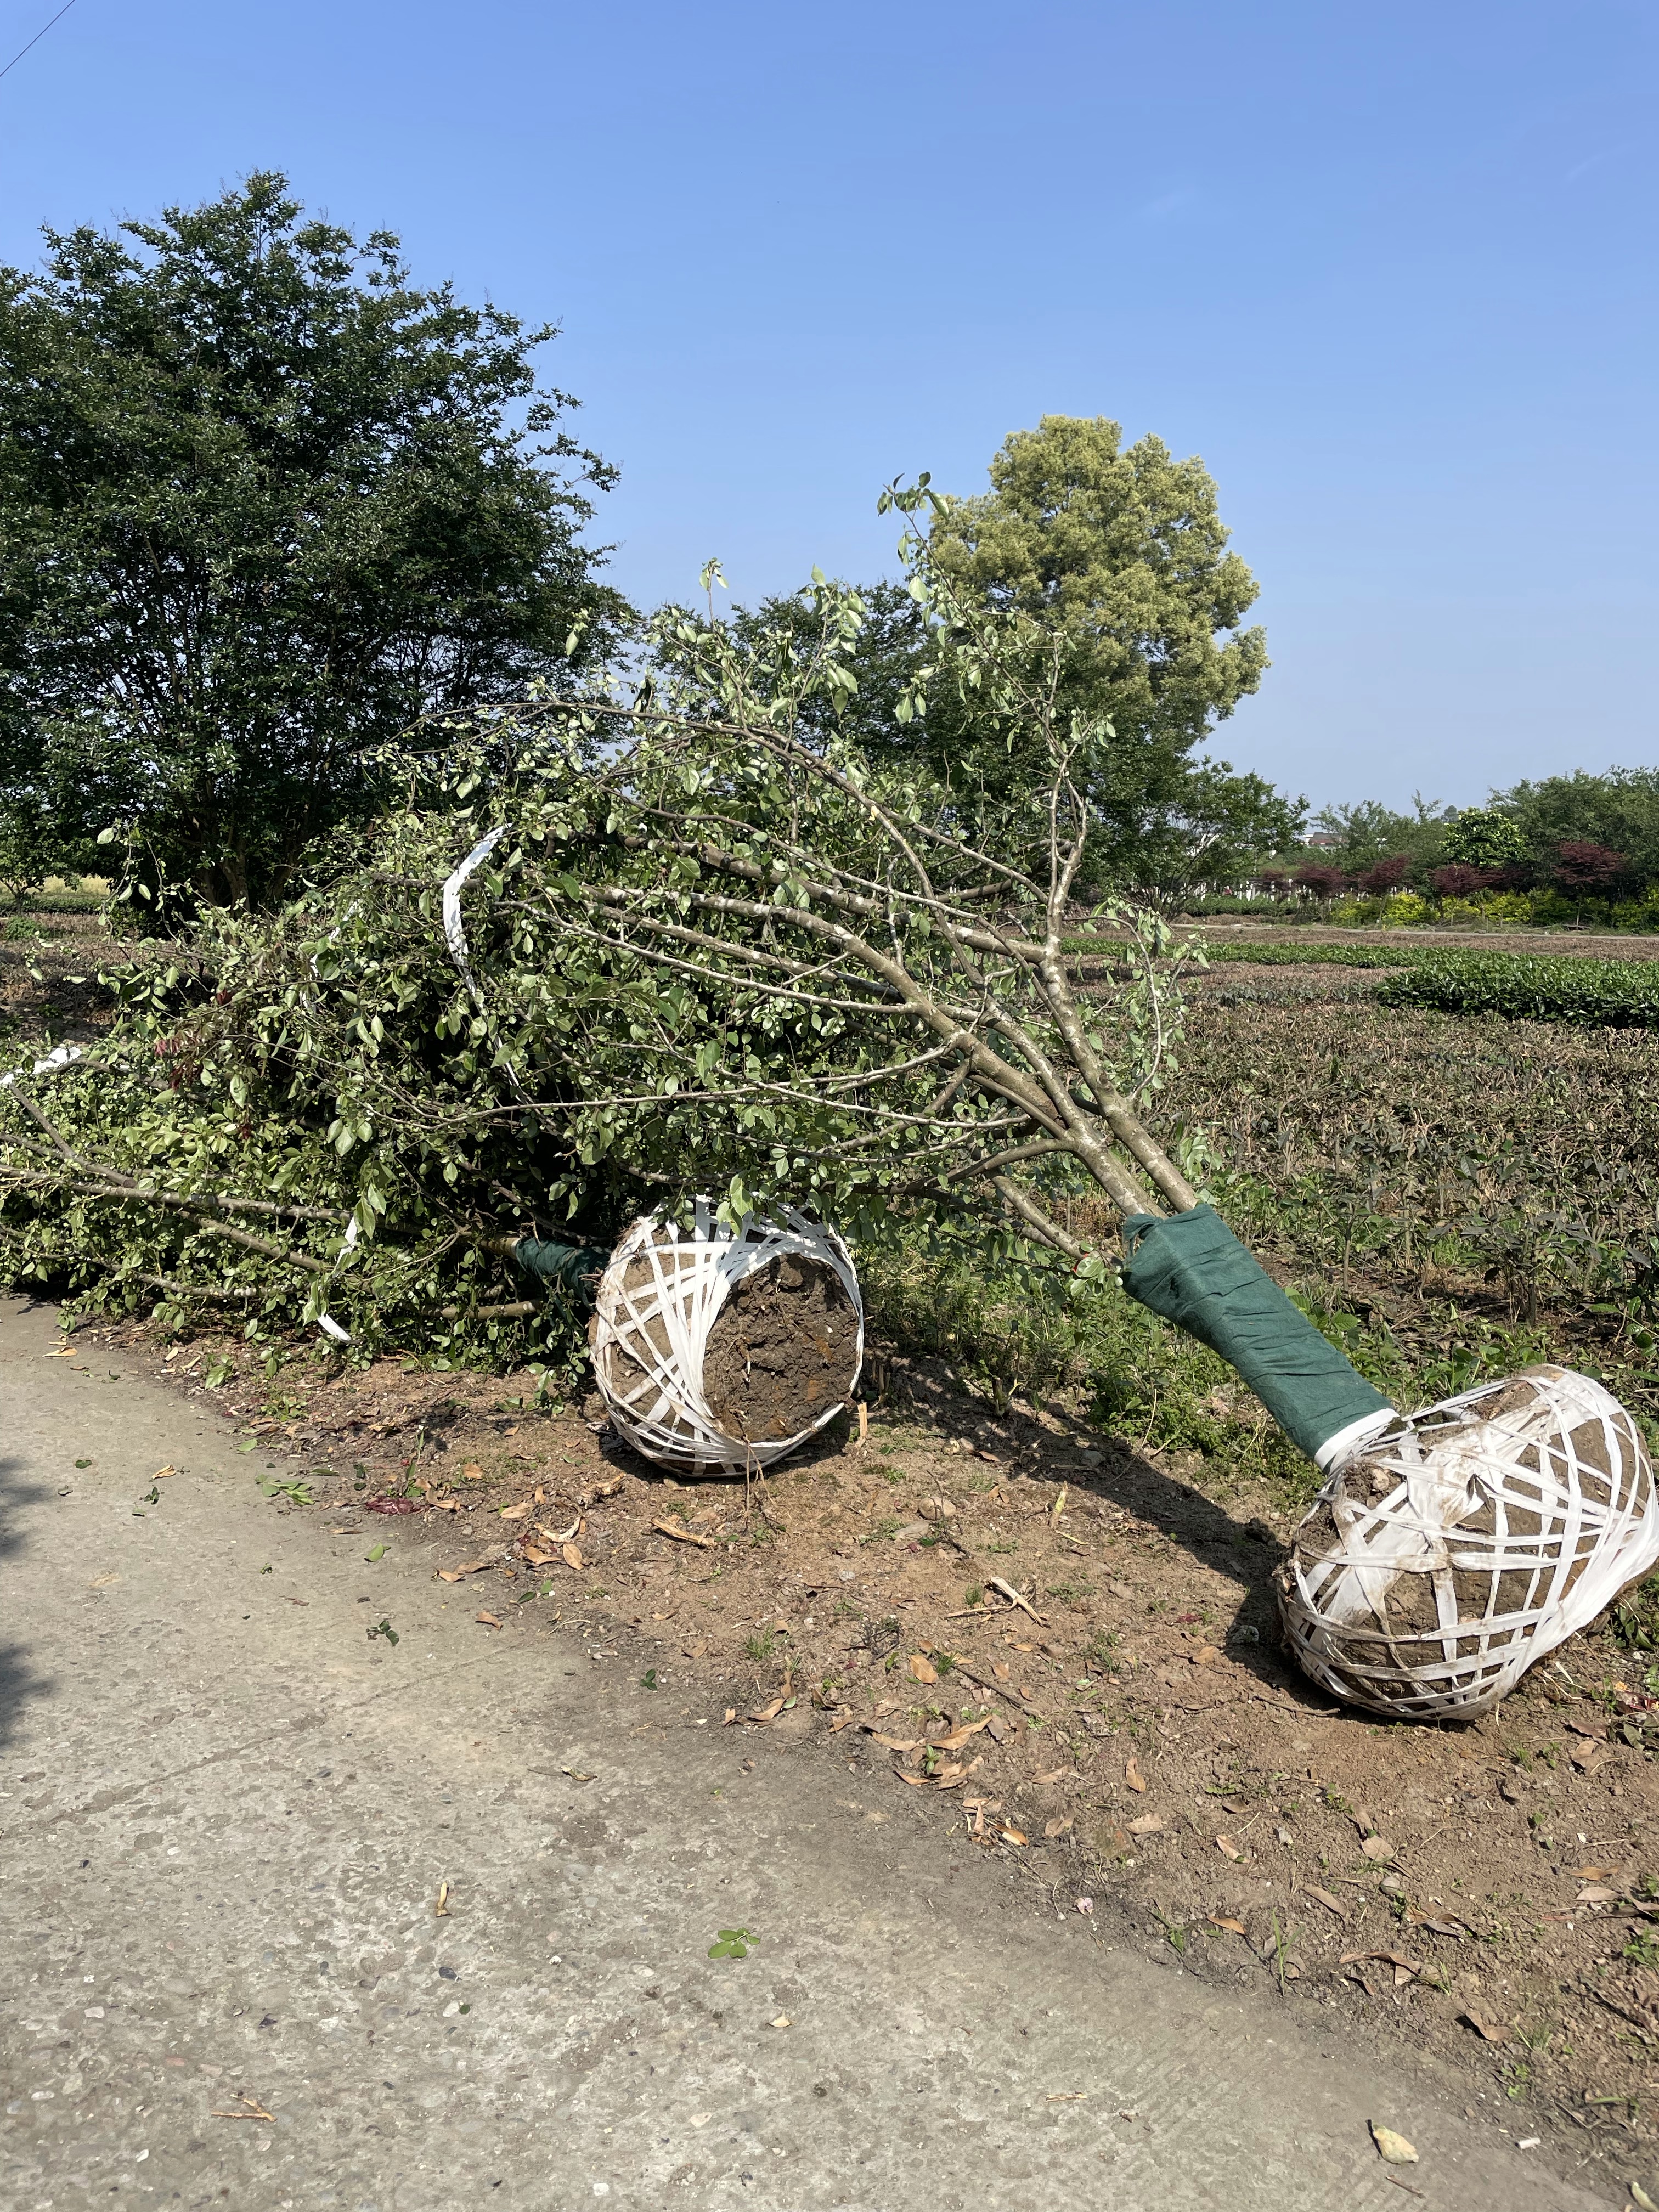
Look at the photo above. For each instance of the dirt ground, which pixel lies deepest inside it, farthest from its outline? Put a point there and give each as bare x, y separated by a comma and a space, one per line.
1075, 1651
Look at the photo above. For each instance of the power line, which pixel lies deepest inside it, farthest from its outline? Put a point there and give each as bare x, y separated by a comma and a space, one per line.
36, 40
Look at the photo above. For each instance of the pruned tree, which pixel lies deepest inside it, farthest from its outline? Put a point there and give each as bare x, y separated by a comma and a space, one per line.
695, 950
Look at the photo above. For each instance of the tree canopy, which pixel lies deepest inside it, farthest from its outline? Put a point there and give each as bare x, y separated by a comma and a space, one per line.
263, 504
1123, 551
1120, 558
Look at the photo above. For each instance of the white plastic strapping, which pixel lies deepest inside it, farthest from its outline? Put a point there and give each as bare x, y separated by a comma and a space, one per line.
1554, 1538
454, 932
654, 1392
61, 1055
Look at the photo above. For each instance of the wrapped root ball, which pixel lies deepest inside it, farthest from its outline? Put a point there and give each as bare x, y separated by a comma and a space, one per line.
1469, 1540
716, 1353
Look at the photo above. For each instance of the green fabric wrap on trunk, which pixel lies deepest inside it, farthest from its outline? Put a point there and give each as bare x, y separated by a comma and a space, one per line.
564, 1264
1193, 1271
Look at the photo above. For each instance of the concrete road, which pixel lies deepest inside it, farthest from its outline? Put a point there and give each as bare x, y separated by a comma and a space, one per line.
228, 1811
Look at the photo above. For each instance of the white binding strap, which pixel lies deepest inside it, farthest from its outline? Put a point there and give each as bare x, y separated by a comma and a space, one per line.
1346, 1442
453, 931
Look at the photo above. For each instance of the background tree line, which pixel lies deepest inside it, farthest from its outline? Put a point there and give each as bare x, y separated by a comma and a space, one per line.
1564, 848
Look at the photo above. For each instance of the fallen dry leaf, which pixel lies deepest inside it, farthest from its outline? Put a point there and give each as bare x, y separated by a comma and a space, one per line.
682, 1535
731, 1715
1377, 1848
1586, 1757
923, 1670
1489, 2031
1055, 1774
782, 2020
460, 1573
1149, 1824
1228, 1848
440, 1910
1206, 1655
161, 1472
1133, 1776
1596, 1893
1395, 1958
1052, 1828
1583, 1873
571, 1554
1392, 2147
765, 1713
963, 1734
1233, 1927
1000, 1668
1331, 1903
899, 1774
98, 1582
537, 1557
519, 1512
894, 1743
1014, 1836
486, 1619
472, 1471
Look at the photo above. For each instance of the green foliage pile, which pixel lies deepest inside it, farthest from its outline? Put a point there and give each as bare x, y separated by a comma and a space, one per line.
704, 957
1620, 995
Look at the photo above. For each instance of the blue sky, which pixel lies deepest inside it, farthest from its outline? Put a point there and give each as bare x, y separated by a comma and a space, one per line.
1390, 271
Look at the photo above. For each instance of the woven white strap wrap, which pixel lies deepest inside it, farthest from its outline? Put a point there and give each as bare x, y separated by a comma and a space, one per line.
1399, 1511
654, 1392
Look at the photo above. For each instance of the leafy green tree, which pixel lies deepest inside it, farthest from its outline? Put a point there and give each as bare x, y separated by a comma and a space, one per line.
1619, 810
1123, 552
263, 504
29, 851
1212, 830
1368, 833
1485, 837
892, 647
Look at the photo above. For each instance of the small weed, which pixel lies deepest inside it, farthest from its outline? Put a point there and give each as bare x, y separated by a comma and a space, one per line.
1073, 1594
1635, 1619
974, 1595
296, 1492
383, 1628
1642, 1948
218, 1373
649, 1680
733, 1943
762, 1645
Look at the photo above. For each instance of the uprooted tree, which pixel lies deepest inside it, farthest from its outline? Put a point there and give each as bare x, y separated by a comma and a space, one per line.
708, 949
700, 953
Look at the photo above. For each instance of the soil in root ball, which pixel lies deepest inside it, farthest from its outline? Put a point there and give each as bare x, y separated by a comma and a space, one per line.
782, 1351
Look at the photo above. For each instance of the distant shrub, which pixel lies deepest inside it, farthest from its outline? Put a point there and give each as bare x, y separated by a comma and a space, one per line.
1405, 910
1593, 993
